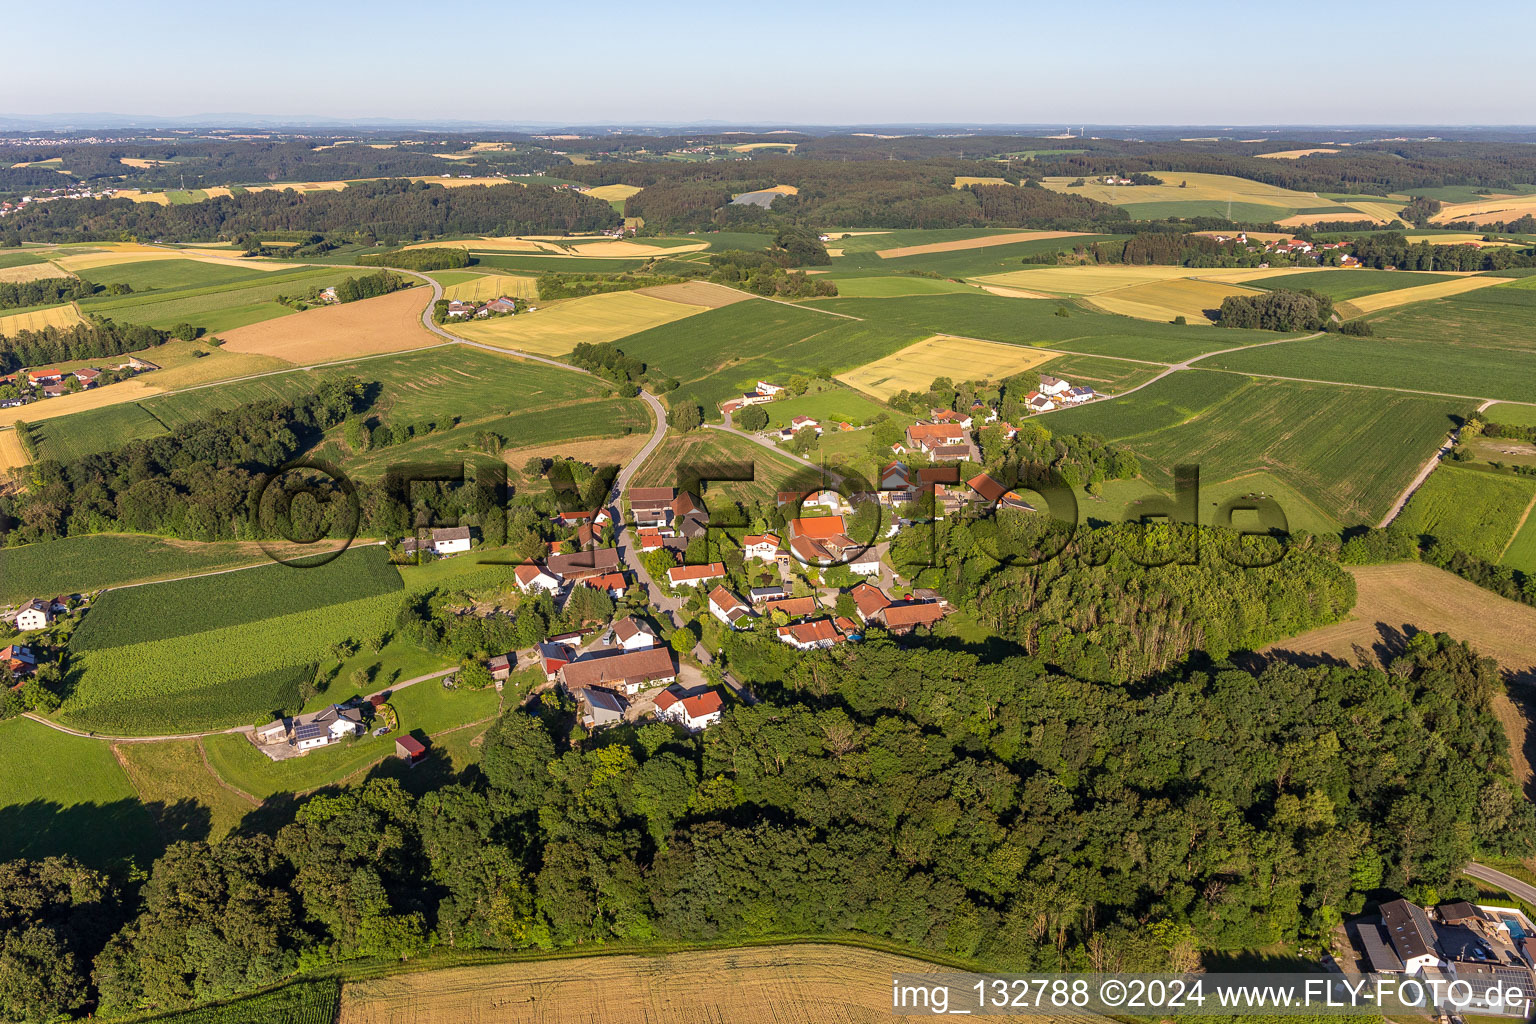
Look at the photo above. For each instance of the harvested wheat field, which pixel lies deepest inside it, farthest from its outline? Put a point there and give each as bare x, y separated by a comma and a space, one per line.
12, 455
1012, 293
32, 272
158, 198
1164, 300
1438, 290
1458, 238
1088, 280
914, 367
697, 293
747, 147
1412, 597
611, 249
822, 983
493, 286
612, 192
602, 451
963, 181
96, 398
1349, 213
487, 244
1487, 209
972, 243
1292, 154
219, 257
557, 328
389, 323
39, 319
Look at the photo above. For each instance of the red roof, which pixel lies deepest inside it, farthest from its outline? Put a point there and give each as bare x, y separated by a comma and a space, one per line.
818, 527
665, 699
696, 572
869, 599
793, 606
752, 539
702, 704
611, 581
812, 632
410, 745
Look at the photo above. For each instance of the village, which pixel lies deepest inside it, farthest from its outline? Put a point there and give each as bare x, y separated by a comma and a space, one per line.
31, 385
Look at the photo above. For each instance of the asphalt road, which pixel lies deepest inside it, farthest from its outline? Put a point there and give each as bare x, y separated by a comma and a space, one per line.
1513, 886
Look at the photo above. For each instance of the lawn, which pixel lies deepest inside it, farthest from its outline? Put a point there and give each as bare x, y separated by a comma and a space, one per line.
1036, 322
723, 352
64, 794
431, 710
1511, 415
1347, 452
1473, 510
830, 406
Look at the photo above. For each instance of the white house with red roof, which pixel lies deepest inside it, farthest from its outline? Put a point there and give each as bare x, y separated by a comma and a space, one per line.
729, 608
693, 575
532, 577
762, 546
634, 634
810, 636
695, 712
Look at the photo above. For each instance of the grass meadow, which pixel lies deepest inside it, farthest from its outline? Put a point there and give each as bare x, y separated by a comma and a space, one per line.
1472, 509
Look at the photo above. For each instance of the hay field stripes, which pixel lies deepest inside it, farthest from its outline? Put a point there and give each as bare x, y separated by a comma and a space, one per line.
39, 319
913, 368
557, 245
389, 323
92, 261
1403, 296
1164, 300
1490, 208
32, 272
697, 293
492, 286
557, 328
12, 455
981, 242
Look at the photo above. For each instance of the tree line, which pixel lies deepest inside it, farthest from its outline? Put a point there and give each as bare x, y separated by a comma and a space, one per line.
98, 337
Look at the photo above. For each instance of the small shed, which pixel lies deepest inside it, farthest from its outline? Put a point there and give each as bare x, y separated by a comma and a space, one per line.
410, 749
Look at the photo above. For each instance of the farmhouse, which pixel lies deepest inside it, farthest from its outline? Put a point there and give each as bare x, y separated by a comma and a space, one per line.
926, 436
905, 617
634, 634
581, 565
651, 506
533, 577
768, 389
693, 575
445, 541
793, 607
1479, 947
19, 658
950, 416
1036, 402
35, 614
870, 600
729, 608
500, 306
615, 583
458, 309
602, 708
689, 516
753, 398
622, 670
761, 546
989, 490
810, 636
325, 727
1053, 386
695, 712
798, 424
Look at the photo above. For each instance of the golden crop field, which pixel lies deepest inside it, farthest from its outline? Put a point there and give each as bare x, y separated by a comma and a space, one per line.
980, 242
140, 162
697, 293
557, 328
1458, 238
300, 186
389, 323
1220, 187
483, 245
637, 249
1292, 154
493, 286
220, 257
12, 455
1353, 212
1403, 296
1489, 208
95, 398
32, 272
963, 181
915, 367
39, 319
158, 198
783, 190
823, 983
1260, 236
462, 182
611, 192
1086, 280
747, 147
1164, 300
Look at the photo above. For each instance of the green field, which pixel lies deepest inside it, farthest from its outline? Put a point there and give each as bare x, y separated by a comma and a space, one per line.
723, 352
959, 263
246, 297
696, 451
833, 405
304, 1002
1347, 453
81, 564
1342, 286
65, 794
425, 709
552, 264
183, 796
894, 286
1107, 376
1521, 553
1472, 510
1034, 322
20, 259
136, 615
1511, 415
164, 275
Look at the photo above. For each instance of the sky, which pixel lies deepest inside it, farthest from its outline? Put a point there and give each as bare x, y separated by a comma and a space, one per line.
790, 62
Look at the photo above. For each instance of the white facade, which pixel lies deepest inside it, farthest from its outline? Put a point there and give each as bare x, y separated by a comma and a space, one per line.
33, 618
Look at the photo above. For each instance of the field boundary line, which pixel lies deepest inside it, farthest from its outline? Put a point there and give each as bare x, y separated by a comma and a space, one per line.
1518, 527
222, 572
202, 752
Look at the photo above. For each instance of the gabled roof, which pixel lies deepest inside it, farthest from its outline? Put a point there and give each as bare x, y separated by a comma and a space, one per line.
793, 606
651, 495
599, 698
527, 572
701, 704
450, 533
645, 664
817, 631
817, 527
726, 601
607, 581
595, 561
901, 615
627, 629
869, 599
753, 539
696, 572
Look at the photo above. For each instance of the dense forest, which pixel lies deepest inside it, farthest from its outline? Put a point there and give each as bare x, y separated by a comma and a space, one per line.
368, 211
977, 805
99, 337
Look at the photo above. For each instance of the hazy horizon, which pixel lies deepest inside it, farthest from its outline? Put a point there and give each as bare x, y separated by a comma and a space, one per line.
1120, 64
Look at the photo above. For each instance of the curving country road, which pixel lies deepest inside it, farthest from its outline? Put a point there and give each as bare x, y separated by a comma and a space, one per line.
1516, 888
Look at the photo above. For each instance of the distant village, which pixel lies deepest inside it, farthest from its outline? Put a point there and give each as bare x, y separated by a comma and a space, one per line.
31, 385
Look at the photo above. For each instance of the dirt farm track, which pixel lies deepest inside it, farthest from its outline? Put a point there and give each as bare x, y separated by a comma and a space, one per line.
769, 984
